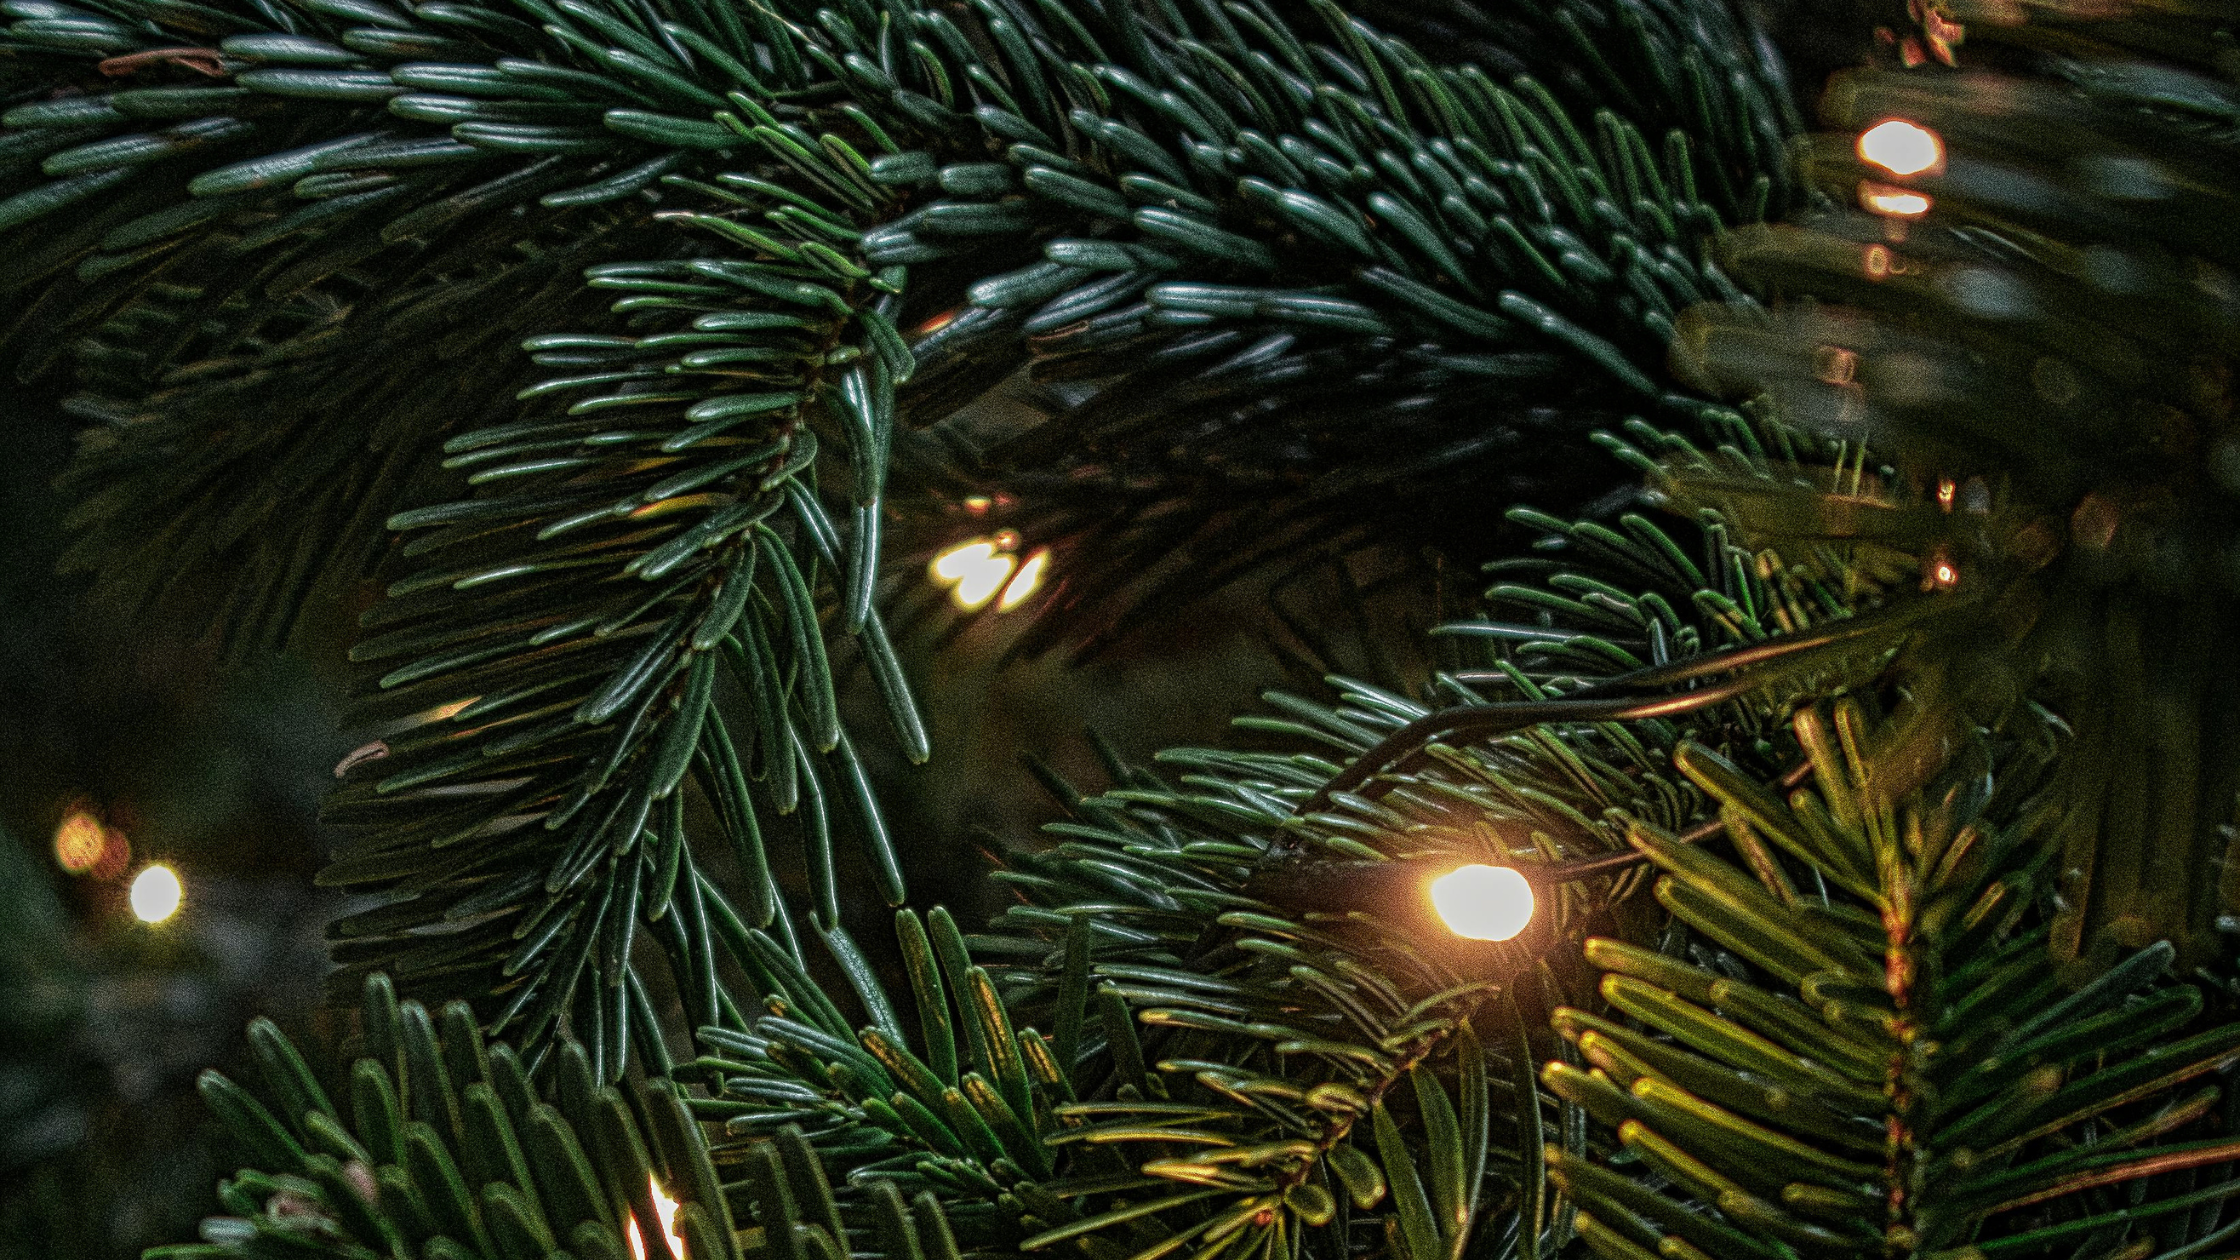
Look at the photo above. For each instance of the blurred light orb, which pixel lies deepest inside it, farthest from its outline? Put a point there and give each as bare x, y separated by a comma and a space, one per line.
975, 571
1483, 903
1029, 579
1894, 203
156, 893
79, 842
1902, 147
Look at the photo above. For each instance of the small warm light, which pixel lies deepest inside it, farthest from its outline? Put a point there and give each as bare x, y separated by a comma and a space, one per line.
156, 894
1483, 903
1902, 148
978, 569
1946, 489
666, 1208
978, 504
1944, 574
952, 565
1024, 585
982, 581
1877, 262
79, 842
1895, 203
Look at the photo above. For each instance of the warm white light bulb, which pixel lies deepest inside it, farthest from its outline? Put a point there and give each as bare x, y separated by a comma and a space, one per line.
1894, 203
958, 561
156, 894
1901, 147
1483, 903
1026, 583
982, 580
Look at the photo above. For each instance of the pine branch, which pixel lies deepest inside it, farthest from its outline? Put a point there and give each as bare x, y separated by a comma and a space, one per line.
1927, 1096
449, 1151
2041, 358
417, 126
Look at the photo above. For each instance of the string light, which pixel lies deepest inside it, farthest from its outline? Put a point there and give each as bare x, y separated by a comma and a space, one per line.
1894, 203
79, 842
1902, 148
1483, 903
977, 570
156, 893
665, 1208
1029, 579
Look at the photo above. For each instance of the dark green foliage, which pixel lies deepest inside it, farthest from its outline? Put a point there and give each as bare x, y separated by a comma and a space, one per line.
1867, 1054
2046, 356
1287, 206
469, 1160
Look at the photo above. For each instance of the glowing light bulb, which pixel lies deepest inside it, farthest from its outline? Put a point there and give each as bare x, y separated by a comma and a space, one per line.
1902, 148
982, 581
665, 1208
1894, 203
156, 894
952, 565
1483, 903
1028, 580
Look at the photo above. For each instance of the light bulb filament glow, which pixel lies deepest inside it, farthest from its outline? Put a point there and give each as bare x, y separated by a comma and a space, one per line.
1902, 148
977, 570
156, 894
1026, 582
1894, 203
1483, 903
664, 1207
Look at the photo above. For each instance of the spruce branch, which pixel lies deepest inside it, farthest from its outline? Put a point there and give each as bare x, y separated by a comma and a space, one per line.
1872, 1063
2043, 356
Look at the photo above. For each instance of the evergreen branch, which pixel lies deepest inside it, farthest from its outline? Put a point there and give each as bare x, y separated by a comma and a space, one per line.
2038, 360
1450, 198
568, 639
448, 1151
1923, 1088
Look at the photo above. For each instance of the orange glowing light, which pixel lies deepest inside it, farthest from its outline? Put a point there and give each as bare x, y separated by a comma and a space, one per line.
79, 842
1946, 489
978, 504
1877, 261
1902, 148
664, 1207
83, 845
1944, 574
1024, 585
1895, 203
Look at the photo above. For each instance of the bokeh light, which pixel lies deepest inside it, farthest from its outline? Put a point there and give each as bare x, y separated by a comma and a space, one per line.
84, 845
1894, 203
1902, 148
1028, 580
157, 893
1483, 903
976, 570
79, 842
